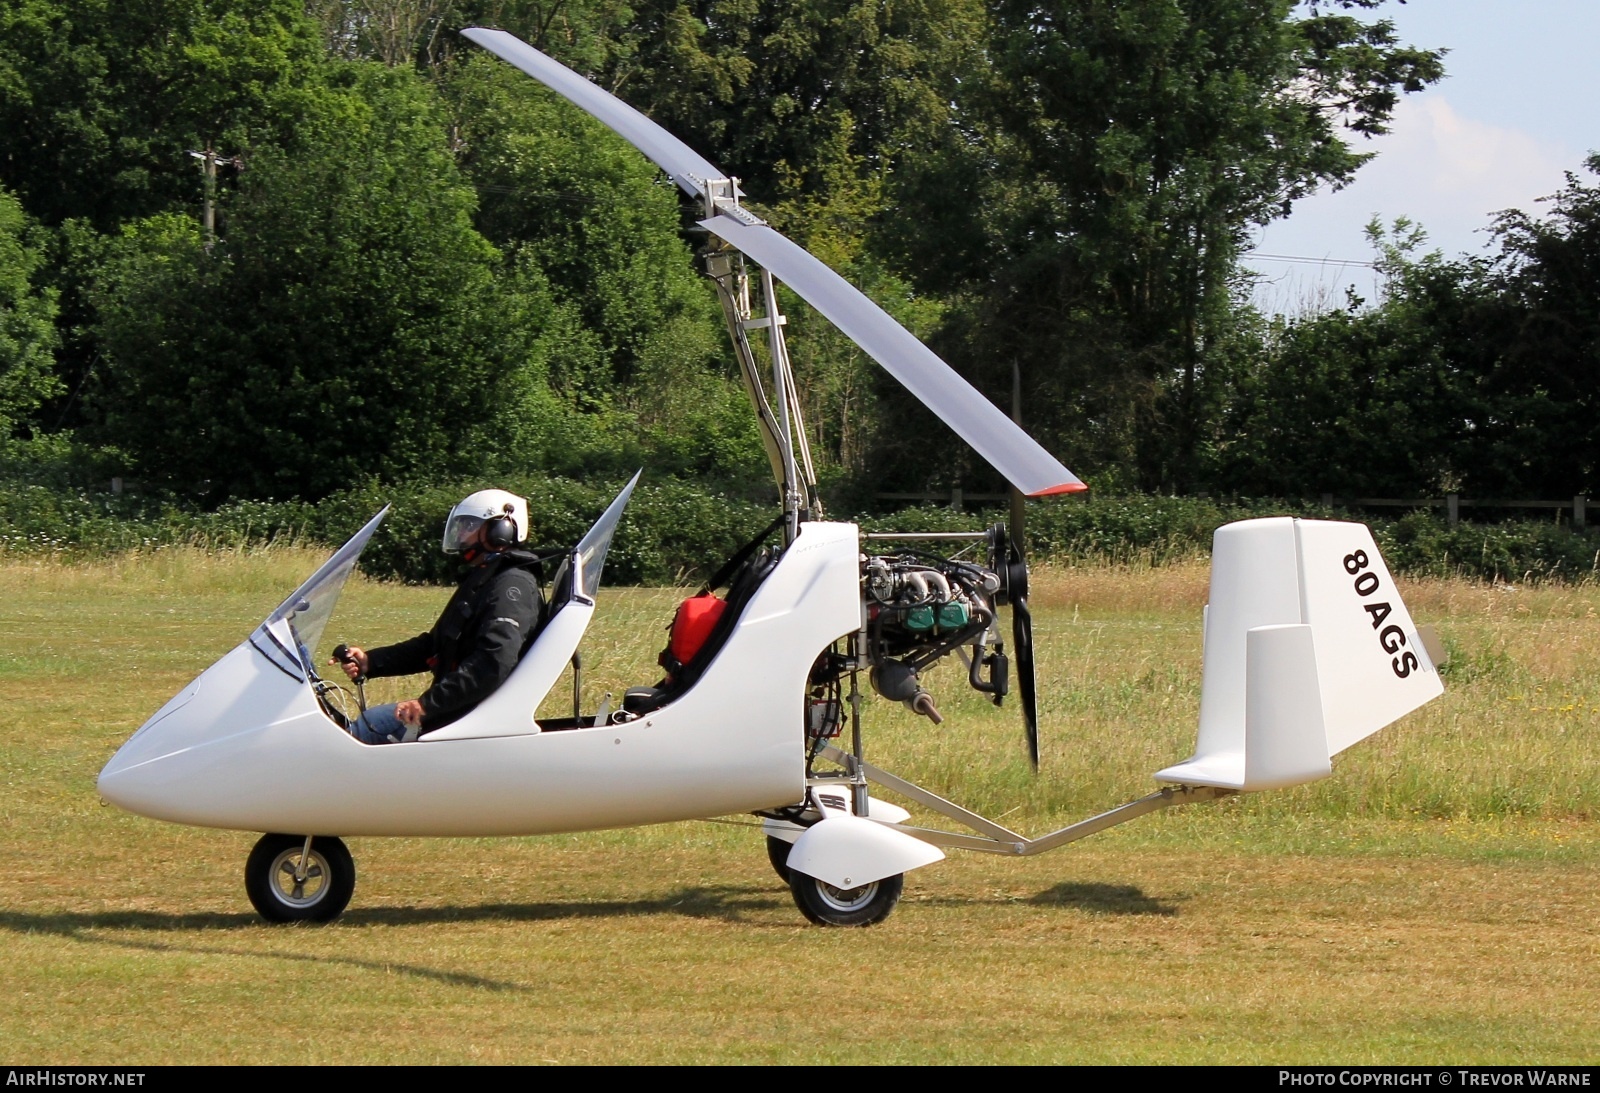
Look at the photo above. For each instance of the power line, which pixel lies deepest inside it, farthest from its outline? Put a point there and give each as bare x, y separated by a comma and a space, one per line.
1305, 260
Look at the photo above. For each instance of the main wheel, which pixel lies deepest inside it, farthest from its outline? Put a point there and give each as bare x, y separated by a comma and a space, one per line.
283, 890
778, 855
826, 905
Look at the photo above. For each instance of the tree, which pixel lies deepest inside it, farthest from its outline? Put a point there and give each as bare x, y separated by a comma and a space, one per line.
348, 326
1354, 402
1093, 203
27, 322
101, 102
813, 105
1476, 375
588, 36
634, 346
1541, 429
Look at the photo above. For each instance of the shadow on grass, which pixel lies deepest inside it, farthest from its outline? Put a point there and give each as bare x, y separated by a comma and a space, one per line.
729, 904
1103, 899
79, 927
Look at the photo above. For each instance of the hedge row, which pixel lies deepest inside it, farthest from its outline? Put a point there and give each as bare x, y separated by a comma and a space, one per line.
678, 532
669, 534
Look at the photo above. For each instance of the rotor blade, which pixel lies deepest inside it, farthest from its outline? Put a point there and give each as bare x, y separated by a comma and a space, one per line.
1022, 646
974, 418
686, 166
979, 422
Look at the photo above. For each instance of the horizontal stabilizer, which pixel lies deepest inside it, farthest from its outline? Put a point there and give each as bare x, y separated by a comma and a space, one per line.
686, 166
1012, 452
1308, 650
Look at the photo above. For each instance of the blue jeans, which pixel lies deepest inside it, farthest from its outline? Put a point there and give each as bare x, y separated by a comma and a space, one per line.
379, 725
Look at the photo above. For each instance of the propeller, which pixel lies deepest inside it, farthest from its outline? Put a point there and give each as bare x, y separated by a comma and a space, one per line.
1007, 561
1017, 575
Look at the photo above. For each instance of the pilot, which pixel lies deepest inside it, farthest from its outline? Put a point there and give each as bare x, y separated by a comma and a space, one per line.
495, 613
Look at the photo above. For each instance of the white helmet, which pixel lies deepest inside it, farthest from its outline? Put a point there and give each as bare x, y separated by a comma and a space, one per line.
506, 515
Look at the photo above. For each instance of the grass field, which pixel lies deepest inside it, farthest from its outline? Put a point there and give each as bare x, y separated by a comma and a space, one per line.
1432, 902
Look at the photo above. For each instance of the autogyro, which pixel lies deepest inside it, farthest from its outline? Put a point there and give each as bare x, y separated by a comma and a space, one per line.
1307, 650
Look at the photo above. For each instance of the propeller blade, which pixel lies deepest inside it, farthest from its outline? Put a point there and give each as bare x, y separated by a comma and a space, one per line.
686, 166
975, 419
1022, 648
1018, 502
1011, 566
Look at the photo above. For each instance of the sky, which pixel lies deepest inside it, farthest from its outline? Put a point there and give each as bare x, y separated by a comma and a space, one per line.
1515, 111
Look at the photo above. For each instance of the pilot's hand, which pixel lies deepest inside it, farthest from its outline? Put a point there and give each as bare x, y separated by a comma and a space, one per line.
409, 712
354, 663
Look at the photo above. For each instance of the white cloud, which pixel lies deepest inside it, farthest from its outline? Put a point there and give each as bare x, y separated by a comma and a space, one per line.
1452, 169
1447, 172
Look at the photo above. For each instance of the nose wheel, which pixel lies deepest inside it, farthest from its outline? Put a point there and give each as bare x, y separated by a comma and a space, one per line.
293, 878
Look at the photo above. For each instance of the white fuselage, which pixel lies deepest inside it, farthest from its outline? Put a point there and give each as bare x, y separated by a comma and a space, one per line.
247, 746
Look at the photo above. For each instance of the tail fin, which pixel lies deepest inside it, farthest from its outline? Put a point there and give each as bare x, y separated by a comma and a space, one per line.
1308, 650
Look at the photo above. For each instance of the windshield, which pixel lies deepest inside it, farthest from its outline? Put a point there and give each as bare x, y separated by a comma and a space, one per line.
589, 556
593, 547
291, 632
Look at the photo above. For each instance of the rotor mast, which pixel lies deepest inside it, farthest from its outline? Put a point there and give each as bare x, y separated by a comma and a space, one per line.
778, 415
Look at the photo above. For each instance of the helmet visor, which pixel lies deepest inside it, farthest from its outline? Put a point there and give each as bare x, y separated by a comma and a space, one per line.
460, 531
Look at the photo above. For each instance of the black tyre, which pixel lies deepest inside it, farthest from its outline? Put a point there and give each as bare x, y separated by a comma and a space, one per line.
283, 891
826, 905
778, 855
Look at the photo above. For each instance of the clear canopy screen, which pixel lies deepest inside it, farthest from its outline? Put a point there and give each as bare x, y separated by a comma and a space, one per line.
589, 556
289, 636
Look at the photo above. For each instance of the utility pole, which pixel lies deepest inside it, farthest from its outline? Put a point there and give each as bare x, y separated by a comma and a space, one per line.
208, 166
1018, 503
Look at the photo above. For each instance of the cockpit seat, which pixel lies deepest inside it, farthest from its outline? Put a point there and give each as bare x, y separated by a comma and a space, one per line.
743, 574
641, 700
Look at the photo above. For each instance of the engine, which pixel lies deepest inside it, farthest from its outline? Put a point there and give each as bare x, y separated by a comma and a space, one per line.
921, 608
917, 608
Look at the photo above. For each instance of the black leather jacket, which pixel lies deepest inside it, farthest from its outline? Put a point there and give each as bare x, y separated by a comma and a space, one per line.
497, 610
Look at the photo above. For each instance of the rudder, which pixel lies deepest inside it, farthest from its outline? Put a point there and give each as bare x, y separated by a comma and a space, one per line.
1308, 650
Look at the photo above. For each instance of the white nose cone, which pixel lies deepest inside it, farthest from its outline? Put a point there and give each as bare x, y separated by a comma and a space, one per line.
162, 771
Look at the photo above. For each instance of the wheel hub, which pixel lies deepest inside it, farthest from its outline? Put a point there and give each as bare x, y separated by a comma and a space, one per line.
291, 886
847, 899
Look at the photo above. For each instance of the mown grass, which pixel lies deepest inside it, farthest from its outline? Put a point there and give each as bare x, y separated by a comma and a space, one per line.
1432, 902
